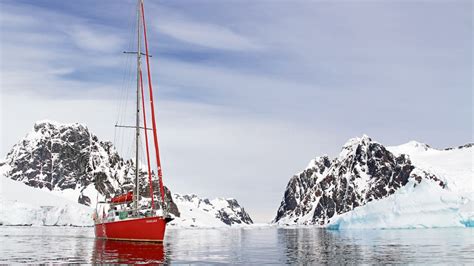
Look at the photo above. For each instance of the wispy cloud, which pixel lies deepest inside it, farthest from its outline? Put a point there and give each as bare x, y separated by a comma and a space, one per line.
90, 39
47, 54
205, 35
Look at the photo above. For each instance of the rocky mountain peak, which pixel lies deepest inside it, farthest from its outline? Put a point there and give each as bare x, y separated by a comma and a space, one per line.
354, 144
69, 158
50, 124
48, 128
364, 139
364, 171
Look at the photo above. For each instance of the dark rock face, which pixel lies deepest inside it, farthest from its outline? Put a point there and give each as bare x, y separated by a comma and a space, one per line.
465, 146
172, 207
61, 157
363, 172
300, 192
240, 215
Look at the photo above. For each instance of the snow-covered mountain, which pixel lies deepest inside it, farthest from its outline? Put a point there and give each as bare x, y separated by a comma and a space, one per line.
369, 185
202, 212
68, 161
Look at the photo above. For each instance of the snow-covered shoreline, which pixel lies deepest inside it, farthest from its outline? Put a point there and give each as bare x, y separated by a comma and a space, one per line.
22, 205
25, 205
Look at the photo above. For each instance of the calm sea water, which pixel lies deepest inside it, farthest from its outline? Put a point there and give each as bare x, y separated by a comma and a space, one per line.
246, 245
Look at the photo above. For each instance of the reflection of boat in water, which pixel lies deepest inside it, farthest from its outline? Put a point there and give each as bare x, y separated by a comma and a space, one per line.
110, 251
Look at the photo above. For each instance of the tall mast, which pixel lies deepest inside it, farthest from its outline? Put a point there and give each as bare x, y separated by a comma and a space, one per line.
152, 107
137, 184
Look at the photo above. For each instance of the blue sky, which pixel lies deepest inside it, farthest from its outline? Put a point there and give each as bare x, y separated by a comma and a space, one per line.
247, 91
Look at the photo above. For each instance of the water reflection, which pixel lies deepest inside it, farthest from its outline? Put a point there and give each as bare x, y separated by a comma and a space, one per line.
204, 245
112, 251
253, 245
312, 245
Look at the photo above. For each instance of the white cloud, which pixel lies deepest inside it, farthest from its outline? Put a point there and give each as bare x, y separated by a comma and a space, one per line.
38, 56
90, 39
206, 35
15, 19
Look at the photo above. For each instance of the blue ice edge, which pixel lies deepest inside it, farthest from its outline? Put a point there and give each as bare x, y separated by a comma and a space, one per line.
336, 226
468, 222
333, 227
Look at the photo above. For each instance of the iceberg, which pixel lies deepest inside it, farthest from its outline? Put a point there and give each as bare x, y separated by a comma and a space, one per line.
423, 205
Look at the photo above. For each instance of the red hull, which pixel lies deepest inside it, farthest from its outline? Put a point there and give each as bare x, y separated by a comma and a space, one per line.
140, 229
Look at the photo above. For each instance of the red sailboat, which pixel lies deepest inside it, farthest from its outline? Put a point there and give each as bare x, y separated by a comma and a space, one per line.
125, 218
